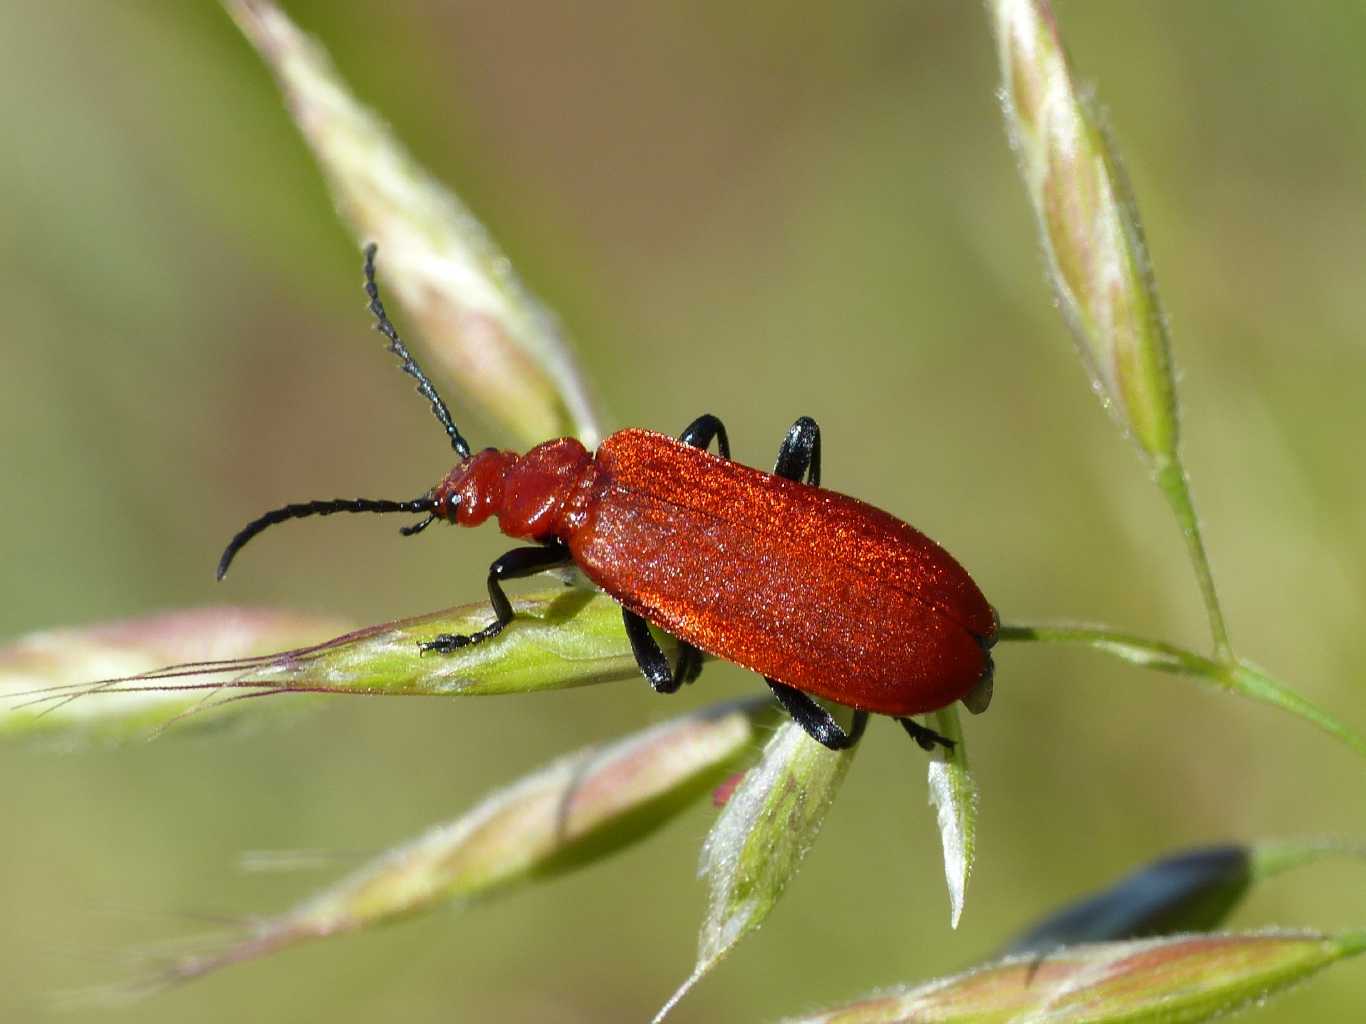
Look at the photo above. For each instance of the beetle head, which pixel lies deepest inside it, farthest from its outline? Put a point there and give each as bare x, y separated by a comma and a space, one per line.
473, 489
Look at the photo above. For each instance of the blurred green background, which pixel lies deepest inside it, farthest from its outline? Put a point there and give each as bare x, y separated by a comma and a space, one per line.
755, 211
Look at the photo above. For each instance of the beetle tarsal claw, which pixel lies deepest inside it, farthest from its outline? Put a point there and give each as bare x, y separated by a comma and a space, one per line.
978, 699
445, 643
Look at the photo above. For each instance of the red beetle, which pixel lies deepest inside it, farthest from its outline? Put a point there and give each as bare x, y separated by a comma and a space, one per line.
818, 592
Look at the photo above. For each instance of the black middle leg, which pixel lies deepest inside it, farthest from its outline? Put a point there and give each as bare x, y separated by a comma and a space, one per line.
653, 664
516, 564
819, 724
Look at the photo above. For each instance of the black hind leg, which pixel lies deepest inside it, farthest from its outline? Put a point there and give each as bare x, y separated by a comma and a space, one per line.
800, 453
800, 456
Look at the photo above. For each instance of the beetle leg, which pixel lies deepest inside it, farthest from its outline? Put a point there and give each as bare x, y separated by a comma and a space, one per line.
516, 564
689, 665
927, 738
653, 662
699, 434
800, 453
819, 724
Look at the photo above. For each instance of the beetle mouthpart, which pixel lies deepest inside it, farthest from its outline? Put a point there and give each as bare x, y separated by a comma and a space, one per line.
431, 506
416, 528
978, 699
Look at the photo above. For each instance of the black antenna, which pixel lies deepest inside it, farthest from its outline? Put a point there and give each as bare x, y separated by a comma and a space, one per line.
325, 508
410, 367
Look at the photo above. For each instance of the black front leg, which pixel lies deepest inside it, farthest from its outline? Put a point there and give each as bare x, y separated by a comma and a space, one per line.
516, 564
819, 724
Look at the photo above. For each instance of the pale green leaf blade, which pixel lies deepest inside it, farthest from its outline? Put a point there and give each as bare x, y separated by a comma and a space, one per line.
953, 792
503, 348
759, 841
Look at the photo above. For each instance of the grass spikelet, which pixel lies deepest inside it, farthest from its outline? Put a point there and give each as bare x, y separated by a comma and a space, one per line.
503, 348
1096, 256
1181, 980
577, 810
